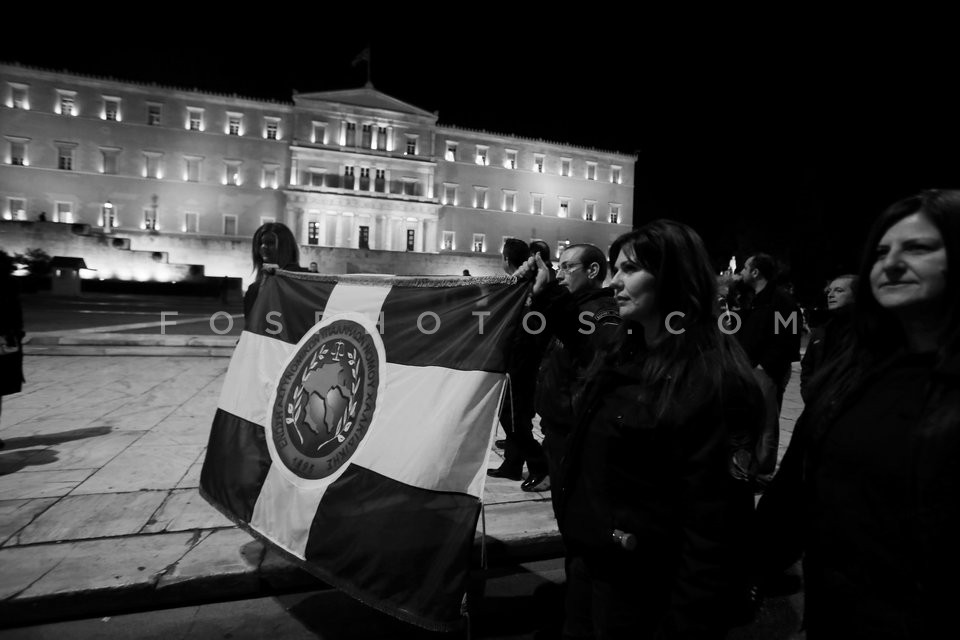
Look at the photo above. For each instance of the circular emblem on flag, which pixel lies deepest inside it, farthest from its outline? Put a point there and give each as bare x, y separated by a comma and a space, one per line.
326, 398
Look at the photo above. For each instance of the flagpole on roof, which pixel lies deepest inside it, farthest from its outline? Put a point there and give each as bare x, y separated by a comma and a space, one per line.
364, 56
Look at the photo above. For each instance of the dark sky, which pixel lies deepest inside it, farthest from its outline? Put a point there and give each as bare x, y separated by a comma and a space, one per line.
788, 137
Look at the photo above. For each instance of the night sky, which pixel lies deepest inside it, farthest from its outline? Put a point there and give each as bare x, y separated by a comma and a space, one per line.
788, 138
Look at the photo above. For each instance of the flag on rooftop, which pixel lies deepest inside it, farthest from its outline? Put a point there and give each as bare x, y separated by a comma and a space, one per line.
354, 427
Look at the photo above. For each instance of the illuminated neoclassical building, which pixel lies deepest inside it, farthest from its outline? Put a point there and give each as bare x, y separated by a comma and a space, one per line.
191, 174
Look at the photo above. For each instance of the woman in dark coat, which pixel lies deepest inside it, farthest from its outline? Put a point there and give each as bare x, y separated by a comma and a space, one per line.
11, 333
274, 247
655, 502
869, 489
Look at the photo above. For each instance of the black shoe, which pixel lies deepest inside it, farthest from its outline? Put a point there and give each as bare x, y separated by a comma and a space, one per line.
500, 444
503, 472
536, 482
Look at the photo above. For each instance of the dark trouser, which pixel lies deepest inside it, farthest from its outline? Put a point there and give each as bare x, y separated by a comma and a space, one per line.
554, 447
516, 418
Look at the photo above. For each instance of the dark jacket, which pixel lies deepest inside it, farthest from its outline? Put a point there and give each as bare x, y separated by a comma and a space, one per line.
824, 343
11, 333
562, 367
931, 448
766, 340
668, 482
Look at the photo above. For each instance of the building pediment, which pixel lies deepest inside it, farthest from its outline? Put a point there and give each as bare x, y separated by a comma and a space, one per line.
365, 97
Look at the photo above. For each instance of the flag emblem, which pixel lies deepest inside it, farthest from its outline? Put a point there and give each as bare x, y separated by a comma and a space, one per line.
326, 397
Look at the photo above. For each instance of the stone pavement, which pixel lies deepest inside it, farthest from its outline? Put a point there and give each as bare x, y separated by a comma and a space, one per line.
99, 509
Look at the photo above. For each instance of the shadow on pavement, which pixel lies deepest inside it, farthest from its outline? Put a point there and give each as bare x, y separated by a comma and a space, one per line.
11, 462
49, 439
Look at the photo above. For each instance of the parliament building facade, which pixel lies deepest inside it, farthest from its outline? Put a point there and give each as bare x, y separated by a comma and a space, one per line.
190, 175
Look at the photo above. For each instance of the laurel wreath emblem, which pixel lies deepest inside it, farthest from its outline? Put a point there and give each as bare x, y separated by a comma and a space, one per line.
295, 408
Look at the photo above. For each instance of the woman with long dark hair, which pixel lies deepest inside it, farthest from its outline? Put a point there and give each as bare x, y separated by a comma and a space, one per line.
274, 247
655, 503
869, 489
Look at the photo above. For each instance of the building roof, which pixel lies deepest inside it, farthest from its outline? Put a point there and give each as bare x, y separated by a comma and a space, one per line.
367, 97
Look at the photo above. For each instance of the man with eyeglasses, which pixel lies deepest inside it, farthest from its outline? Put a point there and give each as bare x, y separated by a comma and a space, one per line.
581, 271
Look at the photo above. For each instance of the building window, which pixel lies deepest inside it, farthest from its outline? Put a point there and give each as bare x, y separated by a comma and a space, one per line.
150, 219
483, 155
538, 160
319, 134
564, 210
365, 178
410, 186
511, 159
366, 136
19, 98
66, 102
449, 242
591, 171
316, 177
16, 209
108, 216
229, 225
411, 145
109, 161
234, 124
191, 222
111, 109
537, 207
614, 213
63, 212
364, 239
65, 158
18, 152
151, 164
153, 115
194, 119
565, 166
478, 242
382, 138
351, 134
480, 197
271, 128
270, 176
380, 181
450, 194
191, 171
509, 200
313, 232
616, 175
411, 240
589, 210
348, 175
451, 154
232, 176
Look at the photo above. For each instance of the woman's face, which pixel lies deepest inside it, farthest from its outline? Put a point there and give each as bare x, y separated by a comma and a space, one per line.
634, 287
839, 293
269, 248
910, 271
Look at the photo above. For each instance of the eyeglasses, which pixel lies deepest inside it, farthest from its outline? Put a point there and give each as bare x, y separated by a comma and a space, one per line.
567, 267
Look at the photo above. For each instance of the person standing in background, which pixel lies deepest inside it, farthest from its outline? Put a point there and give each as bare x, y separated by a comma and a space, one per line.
11, 333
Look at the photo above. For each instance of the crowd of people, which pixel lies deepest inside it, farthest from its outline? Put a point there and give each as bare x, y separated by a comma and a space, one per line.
661, 425
660, 416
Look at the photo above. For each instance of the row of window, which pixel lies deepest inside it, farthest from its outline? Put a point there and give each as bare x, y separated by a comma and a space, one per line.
111, 109
152, 164
478, 243
508, 203
109, 217
510, 161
